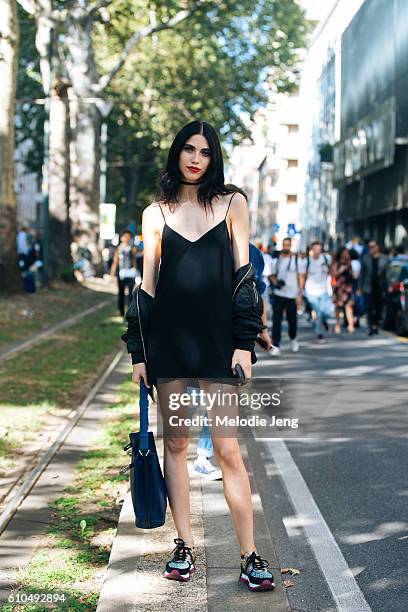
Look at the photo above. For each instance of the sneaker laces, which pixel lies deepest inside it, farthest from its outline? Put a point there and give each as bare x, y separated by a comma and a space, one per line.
257, 562
181, 550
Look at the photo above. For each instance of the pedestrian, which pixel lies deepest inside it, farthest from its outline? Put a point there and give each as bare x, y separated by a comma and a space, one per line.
124, 268
371, 285
342, 283
203, 464
318, 286
202, 315
23, 240
256, 257
288, 277
139, 254
358, 300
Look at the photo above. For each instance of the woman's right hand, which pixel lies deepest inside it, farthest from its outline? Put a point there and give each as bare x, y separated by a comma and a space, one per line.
139, 372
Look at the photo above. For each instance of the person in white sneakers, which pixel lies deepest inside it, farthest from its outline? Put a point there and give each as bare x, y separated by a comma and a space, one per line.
288, 276
318, 287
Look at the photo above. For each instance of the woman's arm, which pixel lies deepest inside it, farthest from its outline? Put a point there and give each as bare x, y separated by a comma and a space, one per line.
240, 247
239, 223
151, 230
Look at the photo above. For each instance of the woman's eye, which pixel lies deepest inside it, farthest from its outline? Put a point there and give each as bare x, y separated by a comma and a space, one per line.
188, 148
206, 153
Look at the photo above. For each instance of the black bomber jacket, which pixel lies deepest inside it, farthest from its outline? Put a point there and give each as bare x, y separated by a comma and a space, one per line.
246, 322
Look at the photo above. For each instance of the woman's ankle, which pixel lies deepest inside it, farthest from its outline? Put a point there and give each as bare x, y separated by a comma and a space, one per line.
248, 553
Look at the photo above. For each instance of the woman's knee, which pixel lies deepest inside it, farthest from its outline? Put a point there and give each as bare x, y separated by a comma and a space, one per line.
176, 445
227, 453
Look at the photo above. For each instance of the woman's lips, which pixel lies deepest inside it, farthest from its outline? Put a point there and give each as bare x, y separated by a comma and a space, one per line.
193, 169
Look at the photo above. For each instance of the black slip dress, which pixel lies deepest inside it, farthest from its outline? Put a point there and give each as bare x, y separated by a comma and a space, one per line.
190, 335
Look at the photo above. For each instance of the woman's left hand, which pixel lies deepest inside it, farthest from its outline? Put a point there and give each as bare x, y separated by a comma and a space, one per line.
244, 359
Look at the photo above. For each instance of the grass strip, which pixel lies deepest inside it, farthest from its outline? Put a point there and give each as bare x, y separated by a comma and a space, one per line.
75, 551
22, 315
52, 377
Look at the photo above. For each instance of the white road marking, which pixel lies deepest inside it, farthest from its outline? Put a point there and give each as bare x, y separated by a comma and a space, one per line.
345, 590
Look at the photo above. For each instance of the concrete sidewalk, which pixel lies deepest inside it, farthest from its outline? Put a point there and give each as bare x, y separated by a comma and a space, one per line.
134, 582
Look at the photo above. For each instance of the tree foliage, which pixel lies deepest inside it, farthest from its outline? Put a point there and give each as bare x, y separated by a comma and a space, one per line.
217, 66
216, 63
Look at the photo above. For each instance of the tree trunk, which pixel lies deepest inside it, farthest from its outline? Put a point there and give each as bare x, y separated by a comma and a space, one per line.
59, 226
84, 121
9, 277
132, 181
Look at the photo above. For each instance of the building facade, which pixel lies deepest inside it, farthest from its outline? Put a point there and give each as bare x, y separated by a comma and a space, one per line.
320, 93
267, 166
371, 154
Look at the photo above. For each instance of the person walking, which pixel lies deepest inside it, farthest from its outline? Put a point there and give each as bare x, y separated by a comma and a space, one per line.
356, 270
342, 282
124, 268
317, 286
371, 285
256, 257
23, 240
288, 277
197, 315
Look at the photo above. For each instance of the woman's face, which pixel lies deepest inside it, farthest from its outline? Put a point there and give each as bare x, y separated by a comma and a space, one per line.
194, 158
344, 257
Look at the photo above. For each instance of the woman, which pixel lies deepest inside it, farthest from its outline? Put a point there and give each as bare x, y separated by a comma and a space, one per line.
197, 315
342, 280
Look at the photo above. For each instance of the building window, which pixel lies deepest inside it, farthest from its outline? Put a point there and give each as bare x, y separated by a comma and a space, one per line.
291, 199
274, 177
293, 163
293, 128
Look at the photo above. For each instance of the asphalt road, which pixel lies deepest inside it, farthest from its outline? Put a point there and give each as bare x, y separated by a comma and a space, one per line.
336, 505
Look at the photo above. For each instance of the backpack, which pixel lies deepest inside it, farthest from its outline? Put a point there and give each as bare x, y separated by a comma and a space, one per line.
326, 261
290, 263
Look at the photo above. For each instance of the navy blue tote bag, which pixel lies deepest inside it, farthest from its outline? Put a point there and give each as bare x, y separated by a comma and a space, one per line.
147, 486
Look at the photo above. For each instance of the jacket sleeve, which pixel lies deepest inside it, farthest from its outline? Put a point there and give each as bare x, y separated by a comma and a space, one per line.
138, 318
362, 275
247, 309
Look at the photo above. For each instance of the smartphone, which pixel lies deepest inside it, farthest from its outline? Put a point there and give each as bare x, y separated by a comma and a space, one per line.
239, 372
263, 343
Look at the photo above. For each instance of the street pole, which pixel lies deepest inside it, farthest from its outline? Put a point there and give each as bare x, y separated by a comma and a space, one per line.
103, 165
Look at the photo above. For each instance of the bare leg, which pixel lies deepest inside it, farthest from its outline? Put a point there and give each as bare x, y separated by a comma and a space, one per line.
350, 317
175, 465
236, 485
337, 328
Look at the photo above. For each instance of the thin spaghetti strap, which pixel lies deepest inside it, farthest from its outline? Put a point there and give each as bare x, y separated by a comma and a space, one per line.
229, 204
162, 212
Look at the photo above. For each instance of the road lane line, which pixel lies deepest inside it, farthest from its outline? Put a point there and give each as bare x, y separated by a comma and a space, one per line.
346, 592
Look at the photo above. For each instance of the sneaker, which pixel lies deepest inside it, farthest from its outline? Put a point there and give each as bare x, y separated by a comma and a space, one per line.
295, 345
181, 566
204, 467
320, 339
255, 574
275, 351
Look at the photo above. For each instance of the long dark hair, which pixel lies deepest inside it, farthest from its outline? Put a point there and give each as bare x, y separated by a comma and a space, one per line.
213, 182
339, 254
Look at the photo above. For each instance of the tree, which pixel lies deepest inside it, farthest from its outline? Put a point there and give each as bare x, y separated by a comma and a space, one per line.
233, 43
215, 66
9, 277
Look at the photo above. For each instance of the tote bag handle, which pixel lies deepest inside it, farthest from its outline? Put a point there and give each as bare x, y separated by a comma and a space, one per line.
144, 417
